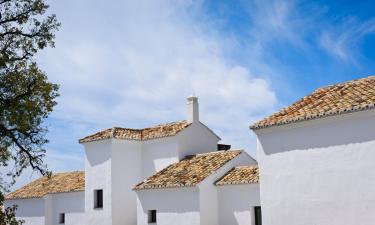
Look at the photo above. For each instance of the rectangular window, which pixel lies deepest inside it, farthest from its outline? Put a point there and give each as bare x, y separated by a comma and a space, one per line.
258, 215
61, 218
98, 199
151, 216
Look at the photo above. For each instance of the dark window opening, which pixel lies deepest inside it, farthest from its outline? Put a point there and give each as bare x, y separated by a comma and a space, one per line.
98, 199
151, 216
223, 147
61, 218
258, 215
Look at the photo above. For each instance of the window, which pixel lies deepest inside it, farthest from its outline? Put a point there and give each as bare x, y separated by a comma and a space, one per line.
98, 199
61, 218
151, 216
258, 215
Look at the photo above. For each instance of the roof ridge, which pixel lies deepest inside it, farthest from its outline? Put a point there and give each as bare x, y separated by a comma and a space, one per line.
221, 151
166, 124
247, 166
345, 82
152, 132
126, 128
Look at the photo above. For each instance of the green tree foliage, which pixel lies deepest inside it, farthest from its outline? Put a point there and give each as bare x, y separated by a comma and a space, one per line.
26, 95
8, 214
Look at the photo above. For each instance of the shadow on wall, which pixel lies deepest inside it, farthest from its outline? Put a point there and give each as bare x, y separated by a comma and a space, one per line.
341, 130
29, 207
98, 152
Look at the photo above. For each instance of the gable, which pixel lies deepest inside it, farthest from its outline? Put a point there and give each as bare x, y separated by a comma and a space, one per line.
351, 96
189, 171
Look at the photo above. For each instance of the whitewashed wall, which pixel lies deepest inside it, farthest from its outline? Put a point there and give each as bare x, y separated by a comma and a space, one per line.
75, 219
158, 154
236, 204
174, 206
208, 191
319, 172
98, 175
116, 166
187, 206
73, 202
196, 138
30, 210
126, 172
46, 210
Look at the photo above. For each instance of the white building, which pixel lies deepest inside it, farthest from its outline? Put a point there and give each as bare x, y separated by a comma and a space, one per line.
317, 158
185, 193
51, 200
117, 159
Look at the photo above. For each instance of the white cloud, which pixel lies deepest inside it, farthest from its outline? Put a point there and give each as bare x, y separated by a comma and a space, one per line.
342, 41
137, 67
133, 64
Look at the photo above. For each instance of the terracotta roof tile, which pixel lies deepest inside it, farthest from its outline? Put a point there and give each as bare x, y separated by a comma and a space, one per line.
57, 183
159, 131
355, 95
240, 175
189, 171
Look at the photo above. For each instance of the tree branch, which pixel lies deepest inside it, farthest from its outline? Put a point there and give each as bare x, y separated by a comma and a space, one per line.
31, 158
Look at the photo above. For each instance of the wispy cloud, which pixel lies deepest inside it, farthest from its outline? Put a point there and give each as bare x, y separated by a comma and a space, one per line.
342, 41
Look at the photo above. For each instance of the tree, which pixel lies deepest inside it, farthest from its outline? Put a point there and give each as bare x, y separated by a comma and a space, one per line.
8, 214
26, 95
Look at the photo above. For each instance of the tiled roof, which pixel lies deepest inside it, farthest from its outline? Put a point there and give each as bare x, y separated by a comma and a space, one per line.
355, 95
189, 171
159, 131
240, 175
57, 183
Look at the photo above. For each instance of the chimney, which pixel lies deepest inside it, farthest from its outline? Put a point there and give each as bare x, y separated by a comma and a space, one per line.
192, 109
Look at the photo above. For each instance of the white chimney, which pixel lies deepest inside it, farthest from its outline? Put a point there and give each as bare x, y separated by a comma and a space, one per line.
192, 109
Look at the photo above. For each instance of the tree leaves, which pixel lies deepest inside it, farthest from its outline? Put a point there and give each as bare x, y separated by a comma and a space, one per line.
26, 95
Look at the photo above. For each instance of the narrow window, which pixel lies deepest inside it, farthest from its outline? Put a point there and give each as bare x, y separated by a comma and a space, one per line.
151, 216
258, 215
61, 218
98, 199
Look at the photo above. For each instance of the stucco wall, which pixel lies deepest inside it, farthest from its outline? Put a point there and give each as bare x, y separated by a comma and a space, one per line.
31, 210
319, 172
98, 176
46, 210
174, 206
158, 154
190, 206
126, 172
236, 204
209, 205
196, 139
67, 203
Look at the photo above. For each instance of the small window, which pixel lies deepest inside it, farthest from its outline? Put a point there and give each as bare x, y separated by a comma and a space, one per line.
62, 218
98, 199
151, 216
258, 215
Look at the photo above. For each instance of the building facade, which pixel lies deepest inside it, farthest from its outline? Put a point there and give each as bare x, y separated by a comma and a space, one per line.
116, 160
316, 158
187, 192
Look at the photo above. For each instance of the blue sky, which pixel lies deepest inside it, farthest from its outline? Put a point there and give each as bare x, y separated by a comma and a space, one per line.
133, 63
